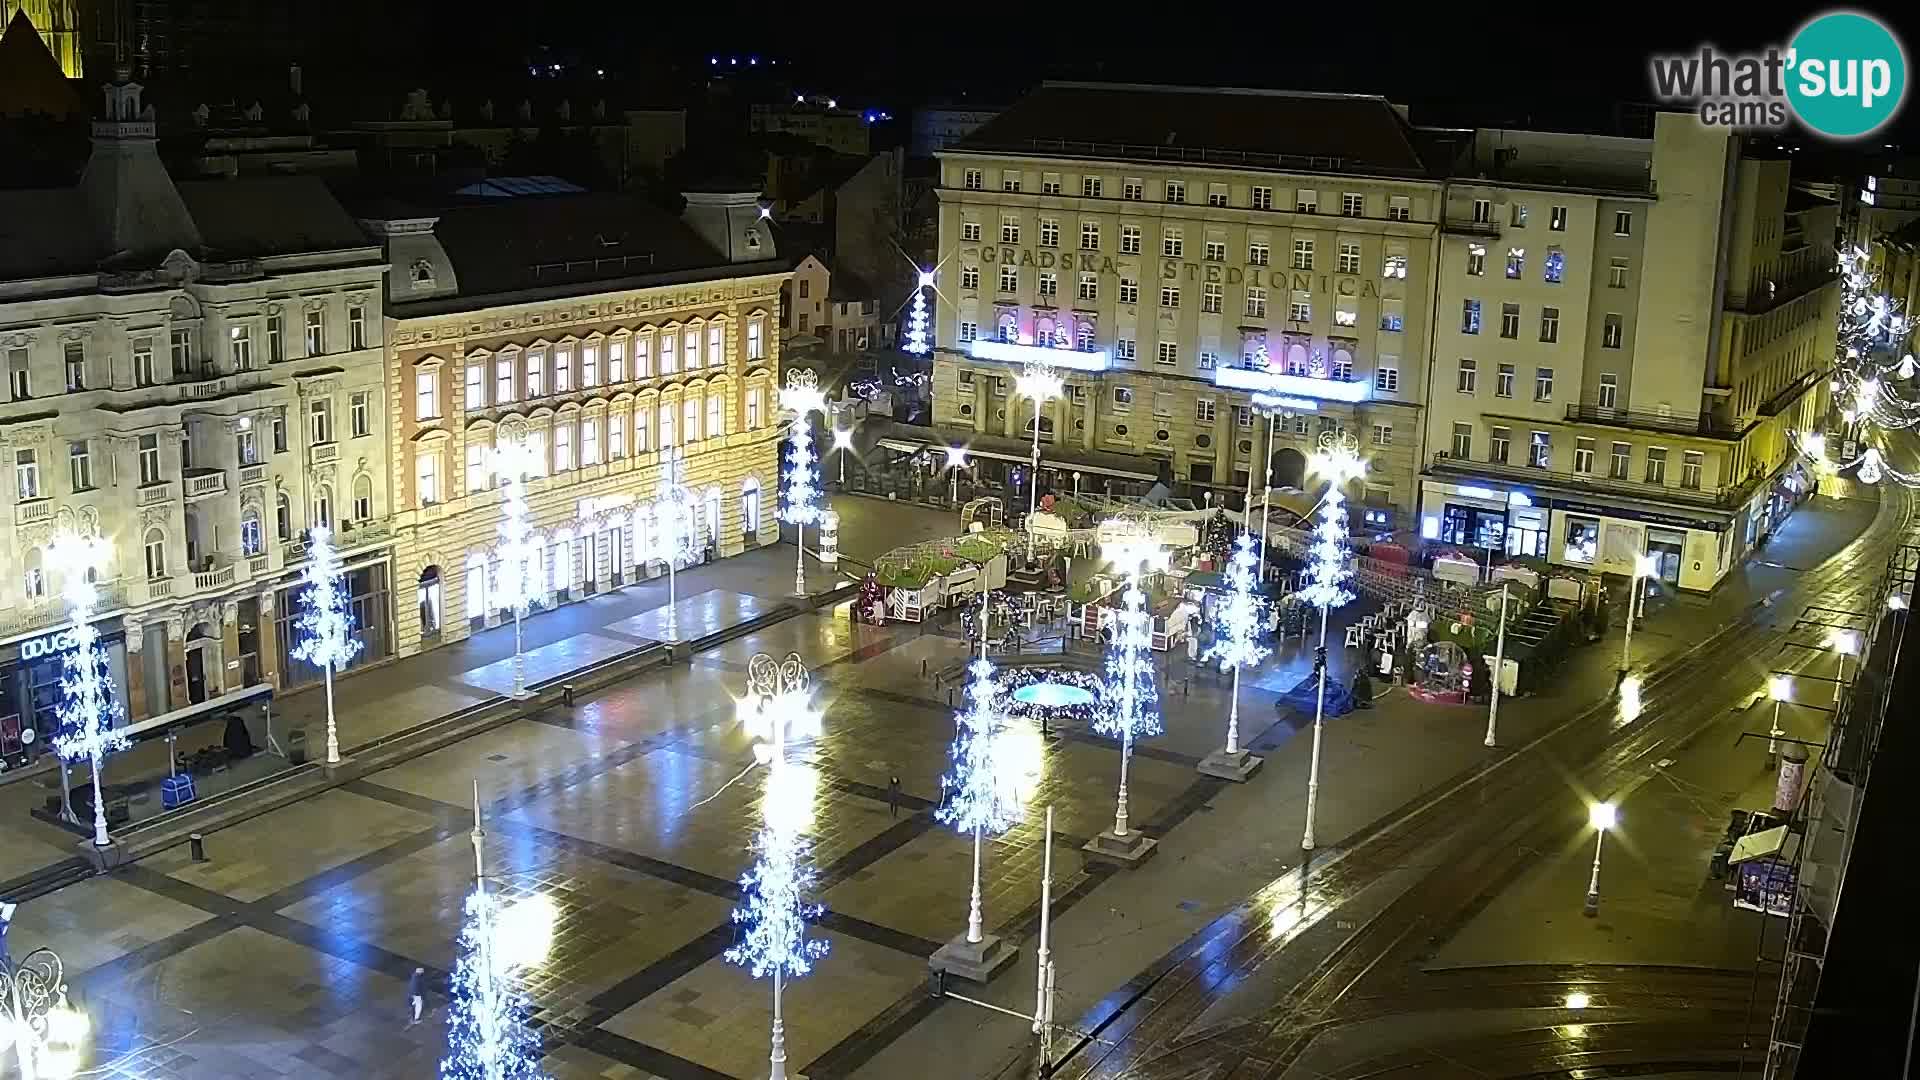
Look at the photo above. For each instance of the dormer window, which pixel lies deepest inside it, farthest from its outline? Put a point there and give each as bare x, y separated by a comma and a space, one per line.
753, 239
422, 274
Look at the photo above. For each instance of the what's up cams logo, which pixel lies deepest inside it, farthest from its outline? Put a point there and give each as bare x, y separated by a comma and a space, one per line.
1843, 76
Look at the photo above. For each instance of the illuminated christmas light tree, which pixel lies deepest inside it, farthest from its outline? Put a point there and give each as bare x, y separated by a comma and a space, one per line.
326, 625
917, 342
488, 1034
800, 504
1237, 646
89, 710
674, 538
1338, 459
1133, 703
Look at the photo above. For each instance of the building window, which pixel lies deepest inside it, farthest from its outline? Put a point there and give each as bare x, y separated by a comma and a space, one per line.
1176, 191
253, 538
1259, 253
1353, 205
756, 338
19, 375
26, 474
590, 366
690, 420
1009, 230
1690, 468
1540, 450
1383, 434
716, 416
143, 371
1483, 211
1463, 441
1129, 239
1212, 296
1349, 258
1129, 291
1476, 260
1470, 317
1582, 453
1621, 461
1089, 187
1203, 411
1516, 262
246, 445
1050, 232
426, 476
643, 413
1394, 266
1345, 317
1009, 327
1084, 335
156, 552
1217, 195
1519, 213
1133, 190
1089, 287
1306, 202
562, 446
180, 349
1609, 389
479, 476
1262, 198
283, 517
1123, 399
971, 180
1169, 354
1386, 379
1215, 251
1392, 319
316, 333
1556, 265
1399, 208
1501, 441
1468, 378
1243, 417
1503, 381
1172, 243
362, 506
690, 349
969, 233
1543, 384
323, 506
276, 338
1509, 320
1049, 185
1557, 219
1617, 272
426, 400
356, 327
1303, 254
319, 422
358, 408
76, 363
1342, 367
1623, 223
1656, 465
1089, 236
1550, 324
476, 384
1611, 332
279, 431
1009, 279
1256, 302
1125, 349
503, 388
1206, 360
616, 436
1300, 309
970, 277
1049, 283
969, 331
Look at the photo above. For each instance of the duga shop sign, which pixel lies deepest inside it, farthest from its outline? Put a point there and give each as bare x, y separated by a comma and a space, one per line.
47, 644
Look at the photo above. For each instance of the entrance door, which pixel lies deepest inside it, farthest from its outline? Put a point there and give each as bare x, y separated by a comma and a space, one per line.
196, 676
1666, 549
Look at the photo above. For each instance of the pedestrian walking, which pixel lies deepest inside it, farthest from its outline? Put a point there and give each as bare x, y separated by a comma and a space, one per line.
416, 994
893, 797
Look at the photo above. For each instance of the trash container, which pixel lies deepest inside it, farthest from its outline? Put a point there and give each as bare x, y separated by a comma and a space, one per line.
297, 746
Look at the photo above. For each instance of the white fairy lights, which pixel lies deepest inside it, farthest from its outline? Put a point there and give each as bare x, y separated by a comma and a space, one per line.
1238, 619
917, 341
89, 711
801, 507
326, 625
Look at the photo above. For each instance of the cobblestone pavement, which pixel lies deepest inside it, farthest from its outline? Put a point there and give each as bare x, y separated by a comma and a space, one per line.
286, 953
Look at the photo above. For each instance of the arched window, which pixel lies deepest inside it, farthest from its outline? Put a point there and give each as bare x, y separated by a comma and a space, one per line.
476, 586
156, 548
422, 273
1086, 336
1009, 327
282, 517
363, 498
34, 582
323, 506
427, 596
750, 506
253, 538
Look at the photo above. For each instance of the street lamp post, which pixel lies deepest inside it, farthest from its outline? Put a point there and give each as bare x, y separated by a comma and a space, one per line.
1602, 816
1845, 643
1644, 566
1499, 666
1338, 459
1272, 408
956, 460
1040, 384
843, 442
1780, 689
46, 1033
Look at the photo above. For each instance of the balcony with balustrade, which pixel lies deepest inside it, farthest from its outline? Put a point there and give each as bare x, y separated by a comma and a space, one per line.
1723, 498
1699, 425
201, 483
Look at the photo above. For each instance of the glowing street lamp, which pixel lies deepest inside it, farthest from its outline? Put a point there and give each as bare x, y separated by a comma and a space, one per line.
843, 442
1630, 703
1780, 689
1338, 459
1644, 566
1040, 384
1844, 643
48, 1035
1602, 816
1499, 666
956, 460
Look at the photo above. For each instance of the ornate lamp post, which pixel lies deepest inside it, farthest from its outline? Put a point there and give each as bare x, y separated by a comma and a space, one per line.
1272, 408
1338, 459
802, 397
1602, 816
1040, 384
46, 1033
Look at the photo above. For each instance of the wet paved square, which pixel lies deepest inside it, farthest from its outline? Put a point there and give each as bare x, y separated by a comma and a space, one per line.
548, 661
694, 616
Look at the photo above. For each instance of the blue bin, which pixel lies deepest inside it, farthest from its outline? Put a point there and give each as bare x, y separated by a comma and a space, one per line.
176, 790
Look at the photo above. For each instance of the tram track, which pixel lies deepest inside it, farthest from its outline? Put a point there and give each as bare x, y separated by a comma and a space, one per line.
1472, 837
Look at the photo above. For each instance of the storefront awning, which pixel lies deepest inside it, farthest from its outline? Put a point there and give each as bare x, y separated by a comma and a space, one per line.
1763, 844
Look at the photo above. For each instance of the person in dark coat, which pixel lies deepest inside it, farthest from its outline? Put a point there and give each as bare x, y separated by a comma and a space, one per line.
238, 741
1362, 688
416, 995
893, 796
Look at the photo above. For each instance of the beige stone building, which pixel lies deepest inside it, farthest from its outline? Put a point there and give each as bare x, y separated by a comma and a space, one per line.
604, 333
193, 374
1626, 332
1178, 251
